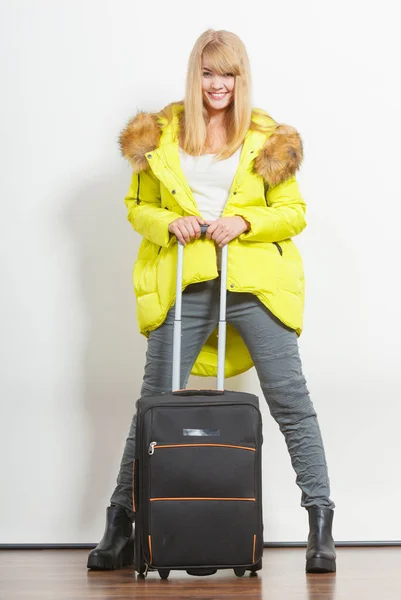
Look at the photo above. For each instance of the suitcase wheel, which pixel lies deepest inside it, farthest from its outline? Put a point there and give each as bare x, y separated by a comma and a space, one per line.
239, 572
142, 572
256, 567
141, 568
199, 572
164, 573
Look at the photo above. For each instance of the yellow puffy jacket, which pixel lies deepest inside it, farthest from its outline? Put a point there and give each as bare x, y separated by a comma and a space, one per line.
263, 260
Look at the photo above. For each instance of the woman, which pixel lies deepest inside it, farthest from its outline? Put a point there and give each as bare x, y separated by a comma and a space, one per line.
213, 159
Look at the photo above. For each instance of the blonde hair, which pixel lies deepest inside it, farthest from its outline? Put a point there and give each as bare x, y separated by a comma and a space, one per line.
226, 54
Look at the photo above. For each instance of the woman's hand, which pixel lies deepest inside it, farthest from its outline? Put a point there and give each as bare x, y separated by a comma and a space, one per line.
226, 229
186, 228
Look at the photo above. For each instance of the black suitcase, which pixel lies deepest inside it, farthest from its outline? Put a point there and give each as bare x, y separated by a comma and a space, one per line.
197, 488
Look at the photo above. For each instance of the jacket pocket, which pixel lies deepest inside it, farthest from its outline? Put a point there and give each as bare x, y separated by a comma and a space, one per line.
138, 200
279, 248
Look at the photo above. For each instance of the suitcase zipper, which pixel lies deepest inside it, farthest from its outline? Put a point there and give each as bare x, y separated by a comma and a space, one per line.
152, 446
203, 499
151, 449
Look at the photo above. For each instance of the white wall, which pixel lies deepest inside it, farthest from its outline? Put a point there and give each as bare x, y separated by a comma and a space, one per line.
72, 73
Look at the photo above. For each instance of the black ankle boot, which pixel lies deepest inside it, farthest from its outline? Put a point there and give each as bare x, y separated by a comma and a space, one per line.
116, 549
320, 553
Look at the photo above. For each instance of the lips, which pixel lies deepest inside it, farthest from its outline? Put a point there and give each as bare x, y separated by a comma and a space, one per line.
217, 96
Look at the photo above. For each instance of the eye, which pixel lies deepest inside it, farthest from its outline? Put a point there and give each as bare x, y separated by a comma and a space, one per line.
228, 75
206, 73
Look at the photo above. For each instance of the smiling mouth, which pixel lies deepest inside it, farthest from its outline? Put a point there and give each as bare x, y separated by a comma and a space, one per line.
217, 96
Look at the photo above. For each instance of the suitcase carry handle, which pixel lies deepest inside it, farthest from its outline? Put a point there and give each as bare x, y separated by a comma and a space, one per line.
189, 392
178, 314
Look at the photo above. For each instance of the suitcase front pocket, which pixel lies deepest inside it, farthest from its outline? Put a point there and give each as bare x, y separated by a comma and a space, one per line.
202, 471
194, 532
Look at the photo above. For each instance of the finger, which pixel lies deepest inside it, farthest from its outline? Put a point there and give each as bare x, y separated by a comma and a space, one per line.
178, 235
197, 229
210, 235
181, 233
221, 236
210, 230
190, 228
225, 241
185, 233
209, 223
218, 232
200, 220
195, 224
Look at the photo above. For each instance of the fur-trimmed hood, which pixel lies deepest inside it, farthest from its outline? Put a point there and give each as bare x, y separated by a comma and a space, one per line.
279, 158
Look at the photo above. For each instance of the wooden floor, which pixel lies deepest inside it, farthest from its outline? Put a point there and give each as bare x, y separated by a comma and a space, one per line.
363, 574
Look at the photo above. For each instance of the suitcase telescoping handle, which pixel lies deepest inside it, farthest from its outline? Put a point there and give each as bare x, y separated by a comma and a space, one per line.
222, 319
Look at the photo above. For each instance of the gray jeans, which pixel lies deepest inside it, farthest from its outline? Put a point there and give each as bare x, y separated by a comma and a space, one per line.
274, 351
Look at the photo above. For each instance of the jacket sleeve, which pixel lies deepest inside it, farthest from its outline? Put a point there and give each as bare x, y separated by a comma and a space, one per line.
283, 216
145, 213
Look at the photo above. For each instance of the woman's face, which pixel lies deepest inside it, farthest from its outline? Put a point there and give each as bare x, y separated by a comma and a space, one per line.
218, 90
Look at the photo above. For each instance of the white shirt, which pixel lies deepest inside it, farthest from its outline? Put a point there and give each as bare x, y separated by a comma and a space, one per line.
210, 181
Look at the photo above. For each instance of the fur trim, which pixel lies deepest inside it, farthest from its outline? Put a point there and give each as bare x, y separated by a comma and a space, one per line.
140, 136
281, 156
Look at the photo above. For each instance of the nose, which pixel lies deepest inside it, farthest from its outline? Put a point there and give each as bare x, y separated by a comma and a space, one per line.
217, 83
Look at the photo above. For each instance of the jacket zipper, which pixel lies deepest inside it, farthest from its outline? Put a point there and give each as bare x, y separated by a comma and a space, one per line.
279, 248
